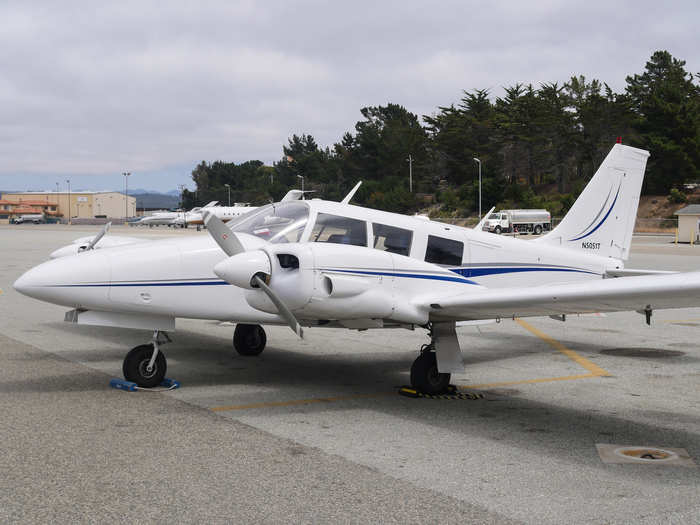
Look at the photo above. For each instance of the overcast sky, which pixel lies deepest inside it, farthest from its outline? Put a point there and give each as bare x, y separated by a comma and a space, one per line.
88, 92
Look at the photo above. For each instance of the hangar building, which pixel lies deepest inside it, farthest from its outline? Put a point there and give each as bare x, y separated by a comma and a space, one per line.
80, 204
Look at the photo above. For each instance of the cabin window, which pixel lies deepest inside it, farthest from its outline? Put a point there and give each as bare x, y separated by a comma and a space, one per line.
444, 251
339, 230
392, 239
276, 223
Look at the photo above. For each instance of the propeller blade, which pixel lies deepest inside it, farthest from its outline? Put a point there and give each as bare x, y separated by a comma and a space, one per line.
223, 235
96, 238
285, 312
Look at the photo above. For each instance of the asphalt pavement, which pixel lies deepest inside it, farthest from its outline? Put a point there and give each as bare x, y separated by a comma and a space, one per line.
314, 431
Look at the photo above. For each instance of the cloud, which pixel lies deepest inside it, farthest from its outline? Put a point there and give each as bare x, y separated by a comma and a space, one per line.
96, 89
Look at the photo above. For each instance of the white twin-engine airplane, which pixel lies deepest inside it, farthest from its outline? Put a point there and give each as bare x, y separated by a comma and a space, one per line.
326, 264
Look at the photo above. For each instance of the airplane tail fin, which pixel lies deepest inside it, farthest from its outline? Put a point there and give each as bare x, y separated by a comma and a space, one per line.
601, 221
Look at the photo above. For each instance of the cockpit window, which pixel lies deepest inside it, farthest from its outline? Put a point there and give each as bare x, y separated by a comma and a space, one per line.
340, 230
392, 239
276, 223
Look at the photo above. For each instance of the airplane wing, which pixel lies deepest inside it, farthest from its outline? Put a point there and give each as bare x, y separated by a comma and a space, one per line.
606, 295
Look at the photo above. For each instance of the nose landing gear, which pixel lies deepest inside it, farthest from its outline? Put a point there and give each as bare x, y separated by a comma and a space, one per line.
249, 339
145, 365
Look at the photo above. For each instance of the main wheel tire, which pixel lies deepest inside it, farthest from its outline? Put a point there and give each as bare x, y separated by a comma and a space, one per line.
249, 339
498, 230
425, 376
136, 363
538, 230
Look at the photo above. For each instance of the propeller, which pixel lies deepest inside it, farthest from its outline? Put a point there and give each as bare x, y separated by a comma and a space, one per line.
96, 238
231, 245
223, 235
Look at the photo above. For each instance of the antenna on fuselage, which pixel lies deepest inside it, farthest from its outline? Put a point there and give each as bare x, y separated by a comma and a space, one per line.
350, 195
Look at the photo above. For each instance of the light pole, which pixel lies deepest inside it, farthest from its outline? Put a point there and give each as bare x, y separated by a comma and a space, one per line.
302, 186
182, 204
410, 173
479, 163
229, 194
69, 218
126, 194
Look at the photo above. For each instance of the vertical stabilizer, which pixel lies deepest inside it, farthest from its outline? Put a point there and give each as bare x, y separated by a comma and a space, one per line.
601, 221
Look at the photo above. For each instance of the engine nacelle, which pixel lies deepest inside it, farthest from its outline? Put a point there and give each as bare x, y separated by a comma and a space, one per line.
340, 282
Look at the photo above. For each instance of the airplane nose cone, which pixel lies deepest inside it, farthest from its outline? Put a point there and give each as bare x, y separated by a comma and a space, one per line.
24, 283
71, 281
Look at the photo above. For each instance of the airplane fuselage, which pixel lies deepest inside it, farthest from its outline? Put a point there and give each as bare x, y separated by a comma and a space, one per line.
174, 277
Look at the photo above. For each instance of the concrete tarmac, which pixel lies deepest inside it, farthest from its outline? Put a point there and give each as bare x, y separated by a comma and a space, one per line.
313, 430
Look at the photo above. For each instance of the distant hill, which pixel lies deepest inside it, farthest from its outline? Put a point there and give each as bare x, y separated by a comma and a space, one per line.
145, 199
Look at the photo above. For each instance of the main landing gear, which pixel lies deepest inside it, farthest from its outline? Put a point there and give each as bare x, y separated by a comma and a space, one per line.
249, 339
424, 372
426, 376
145, 365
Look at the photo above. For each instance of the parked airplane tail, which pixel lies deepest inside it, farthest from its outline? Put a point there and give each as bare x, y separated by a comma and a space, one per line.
601, 221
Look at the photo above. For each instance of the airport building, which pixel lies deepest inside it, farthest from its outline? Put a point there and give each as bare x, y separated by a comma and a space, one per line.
81, 204
689, 223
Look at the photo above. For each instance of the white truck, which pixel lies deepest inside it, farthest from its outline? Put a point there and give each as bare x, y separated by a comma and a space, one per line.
519, 221
36, 218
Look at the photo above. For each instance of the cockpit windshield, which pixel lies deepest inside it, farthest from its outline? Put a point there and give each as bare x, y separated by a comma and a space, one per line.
276, 223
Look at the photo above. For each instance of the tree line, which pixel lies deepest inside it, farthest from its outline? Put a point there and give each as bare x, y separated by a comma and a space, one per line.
538, 147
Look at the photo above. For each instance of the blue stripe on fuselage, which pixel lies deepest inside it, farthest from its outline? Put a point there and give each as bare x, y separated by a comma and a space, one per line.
480, 272
462, 272
408, 275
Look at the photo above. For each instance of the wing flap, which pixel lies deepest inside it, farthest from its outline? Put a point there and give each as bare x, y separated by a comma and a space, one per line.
606, 295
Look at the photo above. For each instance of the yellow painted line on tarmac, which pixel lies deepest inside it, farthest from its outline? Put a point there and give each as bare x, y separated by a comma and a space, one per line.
680, 320
594, 369
299, 402
530, 381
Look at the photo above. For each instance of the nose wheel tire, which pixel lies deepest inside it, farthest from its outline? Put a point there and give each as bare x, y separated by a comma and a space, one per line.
249, 339
135, 367
425, 376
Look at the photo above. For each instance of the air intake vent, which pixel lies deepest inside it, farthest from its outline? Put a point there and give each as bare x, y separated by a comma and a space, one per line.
288, 260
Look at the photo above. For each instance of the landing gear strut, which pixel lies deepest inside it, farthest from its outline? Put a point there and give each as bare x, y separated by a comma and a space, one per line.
425, 376
145, 365
249, 339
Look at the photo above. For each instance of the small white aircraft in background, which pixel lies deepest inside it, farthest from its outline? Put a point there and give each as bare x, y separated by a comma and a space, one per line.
328, 264
227, 213
160, 218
